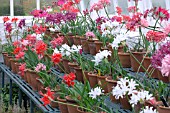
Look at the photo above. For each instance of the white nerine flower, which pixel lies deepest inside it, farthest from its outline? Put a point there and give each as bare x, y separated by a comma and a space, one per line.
140, 96
65, 50
119, 38
95, 92
56, 51
100, 56
38, 36
52, 29
148, 110
75, 48
123, 87
49, 9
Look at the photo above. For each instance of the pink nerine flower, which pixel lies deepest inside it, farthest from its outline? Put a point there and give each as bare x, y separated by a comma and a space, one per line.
144, 23
96, 7
105, 2
167, 29
90, 35
40, 67
165, 69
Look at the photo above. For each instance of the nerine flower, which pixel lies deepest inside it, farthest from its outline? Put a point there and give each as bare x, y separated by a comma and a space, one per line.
148, 109
47, 97
123, 87
57, 41
96, 92
100, 56
140, 97
40, 67
165, 68
69, 79
40, 47
90, 35
56, 58
119, 38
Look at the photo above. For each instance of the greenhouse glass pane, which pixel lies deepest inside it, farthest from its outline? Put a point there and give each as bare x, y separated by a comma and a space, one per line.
158, 3
24, 7
124, 5
5, 8
45, 3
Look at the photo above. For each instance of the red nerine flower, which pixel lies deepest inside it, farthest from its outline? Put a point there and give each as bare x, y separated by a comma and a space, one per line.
56, 58
47, 97
22, 68
40, 47
5, 19
20, 55
17, 50
118, 10
14, 19
69, 79
57, 42
162, 14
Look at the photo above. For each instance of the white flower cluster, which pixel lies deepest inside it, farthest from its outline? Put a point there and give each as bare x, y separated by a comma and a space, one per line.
96, 92
139, 96
123, 87
66, 50
148, 110
119, 38
38, 36
100, 56
109, 27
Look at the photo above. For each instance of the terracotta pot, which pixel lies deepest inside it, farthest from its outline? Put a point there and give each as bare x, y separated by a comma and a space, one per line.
40, 87
110, 84
79, 74
98, 44
149, 68
33, 78
124, 59
77, 40
13, 67
162, 109
81, 111
63, 107
53, 103
125, 103
85, 46
163, 78
68, 39
66, 67
133, 58
71, 109
92, 79
4, 54
27, 77
72, 65
17, 64
8, 61
92, 46
85, 76
101, 80
138, 107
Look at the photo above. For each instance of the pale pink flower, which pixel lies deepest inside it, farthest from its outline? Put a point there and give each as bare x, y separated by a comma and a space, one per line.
96, 7
25, 42
167, 29
40, 67
144, 23
90, 35
105, 2
165, 68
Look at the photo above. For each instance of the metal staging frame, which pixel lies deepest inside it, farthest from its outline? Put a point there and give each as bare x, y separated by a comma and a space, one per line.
24, 88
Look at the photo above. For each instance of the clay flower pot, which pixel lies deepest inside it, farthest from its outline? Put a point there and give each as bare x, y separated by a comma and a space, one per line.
101, 80
68, 39
162, 109
4, 54
71, 109
92, 79
8, 61
63, 107
17, 67
79, 74
85, 46
124, 59
85, 76
92, 46
125, 103
98, 44
77, 40
72, 65
33, 78
13, 67
137, 56
149, 68
80, 110
163, 78
110, 84
65, 65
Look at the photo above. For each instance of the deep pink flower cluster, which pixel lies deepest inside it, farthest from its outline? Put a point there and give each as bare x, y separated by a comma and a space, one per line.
39, 13
57, 41
162, 14
99, 5
160, 54
155, 36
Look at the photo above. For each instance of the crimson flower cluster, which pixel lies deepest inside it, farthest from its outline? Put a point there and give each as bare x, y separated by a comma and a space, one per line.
57, 41
40, 47
56, 58
47, 97
69, 79
39, 29
160, 54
